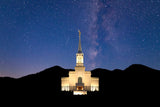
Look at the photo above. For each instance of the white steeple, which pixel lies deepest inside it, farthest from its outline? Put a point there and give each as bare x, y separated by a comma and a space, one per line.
79, 55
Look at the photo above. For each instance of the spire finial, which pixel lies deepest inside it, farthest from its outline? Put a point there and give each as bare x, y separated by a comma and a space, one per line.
79, 46
79, 32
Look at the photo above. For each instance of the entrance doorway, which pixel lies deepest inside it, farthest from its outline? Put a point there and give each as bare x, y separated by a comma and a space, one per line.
79, 85
79, 88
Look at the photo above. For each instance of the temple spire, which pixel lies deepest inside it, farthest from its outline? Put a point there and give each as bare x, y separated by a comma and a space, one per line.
79, 46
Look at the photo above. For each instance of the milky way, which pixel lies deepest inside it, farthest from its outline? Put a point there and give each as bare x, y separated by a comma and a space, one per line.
120, 30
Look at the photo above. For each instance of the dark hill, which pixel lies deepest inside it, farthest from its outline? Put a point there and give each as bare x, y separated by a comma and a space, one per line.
47, 81
134, 80
139, 68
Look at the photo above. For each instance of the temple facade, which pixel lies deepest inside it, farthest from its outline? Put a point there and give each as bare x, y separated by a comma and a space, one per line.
79, 81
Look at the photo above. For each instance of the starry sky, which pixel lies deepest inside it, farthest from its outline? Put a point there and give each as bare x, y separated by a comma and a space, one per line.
38, 34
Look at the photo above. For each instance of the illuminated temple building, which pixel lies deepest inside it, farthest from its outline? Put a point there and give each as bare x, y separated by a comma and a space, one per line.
79, 81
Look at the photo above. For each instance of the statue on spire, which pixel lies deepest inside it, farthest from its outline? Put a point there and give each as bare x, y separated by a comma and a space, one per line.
79, 32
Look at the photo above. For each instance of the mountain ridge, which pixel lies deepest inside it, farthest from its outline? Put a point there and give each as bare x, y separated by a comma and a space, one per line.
116, 82
132, 68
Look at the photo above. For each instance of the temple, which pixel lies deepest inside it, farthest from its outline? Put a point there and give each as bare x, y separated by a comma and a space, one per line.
79, 81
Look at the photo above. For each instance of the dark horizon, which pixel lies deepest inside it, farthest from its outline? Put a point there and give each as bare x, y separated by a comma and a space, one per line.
130, 68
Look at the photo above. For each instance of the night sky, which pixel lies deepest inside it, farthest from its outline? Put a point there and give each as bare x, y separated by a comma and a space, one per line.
38, 34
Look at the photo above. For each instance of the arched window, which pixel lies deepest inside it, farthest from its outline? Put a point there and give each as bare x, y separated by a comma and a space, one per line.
79, 79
